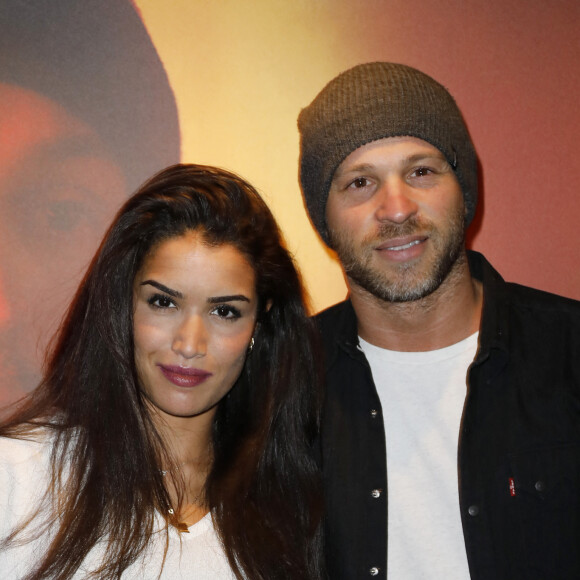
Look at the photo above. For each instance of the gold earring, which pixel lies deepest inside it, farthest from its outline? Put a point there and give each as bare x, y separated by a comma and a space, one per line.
251, 346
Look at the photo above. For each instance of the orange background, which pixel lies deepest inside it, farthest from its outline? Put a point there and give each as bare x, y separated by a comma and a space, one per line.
241, 70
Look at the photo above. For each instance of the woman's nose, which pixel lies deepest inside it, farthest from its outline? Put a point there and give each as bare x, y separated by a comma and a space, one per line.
190, 339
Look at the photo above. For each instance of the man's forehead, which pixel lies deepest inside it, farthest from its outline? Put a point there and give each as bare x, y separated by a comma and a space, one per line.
405, 147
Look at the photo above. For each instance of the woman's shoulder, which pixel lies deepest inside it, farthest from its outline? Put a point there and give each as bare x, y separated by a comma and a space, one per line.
25, 460
19, 449
25, 469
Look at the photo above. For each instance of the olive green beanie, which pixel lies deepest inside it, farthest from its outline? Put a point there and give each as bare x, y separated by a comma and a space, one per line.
370, 102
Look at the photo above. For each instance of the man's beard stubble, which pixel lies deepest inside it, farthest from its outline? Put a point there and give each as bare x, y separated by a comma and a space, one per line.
410, 282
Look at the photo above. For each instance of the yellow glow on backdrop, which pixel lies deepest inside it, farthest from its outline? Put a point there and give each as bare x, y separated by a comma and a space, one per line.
241, 71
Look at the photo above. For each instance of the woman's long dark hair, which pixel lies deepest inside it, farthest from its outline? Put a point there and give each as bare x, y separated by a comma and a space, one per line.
263, 488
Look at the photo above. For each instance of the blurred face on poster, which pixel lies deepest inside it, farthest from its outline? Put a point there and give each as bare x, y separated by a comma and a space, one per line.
82, 124
58, 190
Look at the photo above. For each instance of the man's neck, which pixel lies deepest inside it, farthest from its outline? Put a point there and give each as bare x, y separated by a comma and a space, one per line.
445, 317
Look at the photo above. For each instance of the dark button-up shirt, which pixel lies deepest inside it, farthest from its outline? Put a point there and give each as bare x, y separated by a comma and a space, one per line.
519, 442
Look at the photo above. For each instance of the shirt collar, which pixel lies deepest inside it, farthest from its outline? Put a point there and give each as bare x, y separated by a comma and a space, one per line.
493, 332
494, 327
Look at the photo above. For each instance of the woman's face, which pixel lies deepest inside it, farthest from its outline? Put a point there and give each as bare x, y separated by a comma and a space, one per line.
194, 315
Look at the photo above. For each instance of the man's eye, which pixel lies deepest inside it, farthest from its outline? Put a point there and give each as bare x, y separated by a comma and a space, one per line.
227, 311
422, 172
360, 182
160, 301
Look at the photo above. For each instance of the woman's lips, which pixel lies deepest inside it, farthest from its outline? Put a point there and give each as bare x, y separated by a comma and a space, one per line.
184, 376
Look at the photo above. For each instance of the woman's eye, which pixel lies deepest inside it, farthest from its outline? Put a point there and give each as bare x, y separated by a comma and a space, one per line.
226, 311
161, 301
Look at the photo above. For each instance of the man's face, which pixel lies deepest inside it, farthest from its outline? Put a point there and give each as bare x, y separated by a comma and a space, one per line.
395, 217
58, 191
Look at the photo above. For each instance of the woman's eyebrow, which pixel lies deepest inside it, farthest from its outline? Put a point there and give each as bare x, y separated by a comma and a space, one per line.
163, 288
232, 298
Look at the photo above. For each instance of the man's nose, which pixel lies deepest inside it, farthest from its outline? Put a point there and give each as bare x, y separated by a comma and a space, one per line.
190, 338
395, 202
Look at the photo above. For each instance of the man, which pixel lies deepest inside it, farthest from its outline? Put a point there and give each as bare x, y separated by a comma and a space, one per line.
86, 115
464, 388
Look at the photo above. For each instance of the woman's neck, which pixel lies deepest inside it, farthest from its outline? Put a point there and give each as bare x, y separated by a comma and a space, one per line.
187, 466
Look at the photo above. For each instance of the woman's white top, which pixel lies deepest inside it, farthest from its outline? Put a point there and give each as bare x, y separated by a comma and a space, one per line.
24, 478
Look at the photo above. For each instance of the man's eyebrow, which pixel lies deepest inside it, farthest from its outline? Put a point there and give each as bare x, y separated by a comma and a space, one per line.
421, 156
163, 288
415, 158
232, 298
354, 169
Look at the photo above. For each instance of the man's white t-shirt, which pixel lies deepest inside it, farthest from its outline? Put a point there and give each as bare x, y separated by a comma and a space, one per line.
422, 396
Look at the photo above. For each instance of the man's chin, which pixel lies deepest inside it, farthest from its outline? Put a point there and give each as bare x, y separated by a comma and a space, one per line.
400, 292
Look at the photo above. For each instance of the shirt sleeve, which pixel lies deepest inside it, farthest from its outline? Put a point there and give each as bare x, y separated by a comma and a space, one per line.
24, 475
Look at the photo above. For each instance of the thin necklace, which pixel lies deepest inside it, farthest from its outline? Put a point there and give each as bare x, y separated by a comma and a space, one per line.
180, 526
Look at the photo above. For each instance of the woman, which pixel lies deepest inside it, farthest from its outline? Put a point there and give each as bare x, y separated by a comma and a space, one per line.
170, 436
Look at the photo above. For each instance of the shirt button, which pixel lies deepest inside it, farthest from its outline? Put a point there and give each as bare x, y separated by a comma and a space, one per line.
540, 486
376, 493
473, 510
374, 414
374, 571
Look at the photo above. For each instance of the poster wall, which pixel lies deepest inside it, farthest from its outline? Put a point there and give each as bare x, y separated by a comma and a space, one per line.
97, 95
86, 114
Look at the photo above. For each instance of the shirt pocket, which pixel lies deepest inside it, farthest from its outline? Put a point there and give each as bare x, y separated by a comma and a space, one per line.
545, 489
